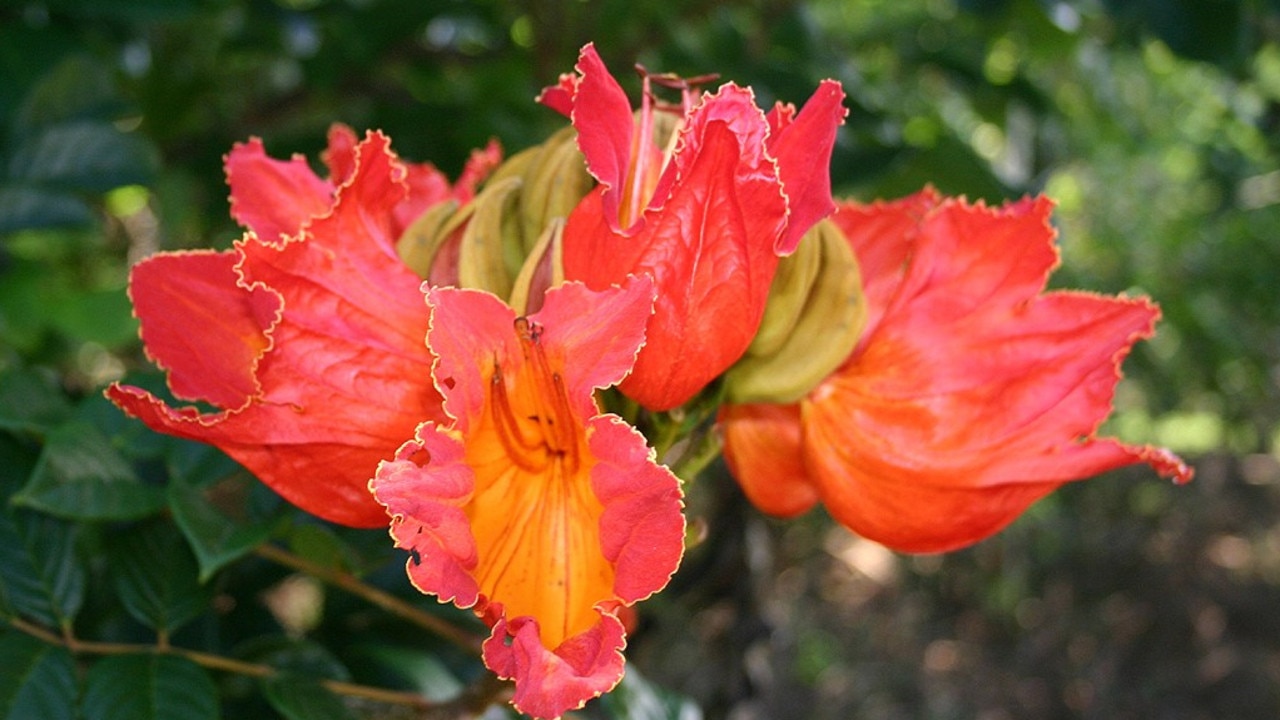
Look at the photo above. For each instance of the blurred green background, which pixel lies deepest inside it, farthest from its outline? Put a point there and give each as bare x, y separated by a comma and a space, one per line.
1155, 124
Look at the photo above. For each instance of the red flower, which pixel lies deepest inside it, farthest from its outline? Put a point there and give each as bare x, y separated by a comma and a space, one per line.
307, 337
277, 198
528, 504
971, 393
706, 218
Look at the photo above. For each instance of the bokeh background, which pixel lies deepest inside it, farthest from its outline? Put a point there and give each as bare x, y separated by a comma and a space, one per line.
1155, 125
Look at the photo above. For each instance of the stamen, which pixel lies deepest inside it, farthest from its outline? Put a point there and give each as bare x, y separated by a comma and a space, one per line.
519, 449
557, 432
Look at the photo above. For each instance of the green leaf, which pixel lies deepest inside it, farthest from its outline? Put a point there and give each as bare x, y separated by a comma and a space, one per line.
81, 476
635, 698
82, 156
299, 657
24, 207
78, 87
38, 681
30, 401
41, 578
156, 576
416, 667
222, 521
148, 686
299, 698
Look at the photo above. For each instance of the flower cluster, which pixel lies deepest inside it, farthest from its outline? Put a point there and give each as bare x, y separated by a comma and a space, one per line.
386, 348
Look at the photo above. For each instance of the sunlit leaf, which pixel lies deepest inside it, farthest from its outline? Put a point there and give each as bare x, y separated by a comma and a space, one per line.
81, 476
41, 578
38, 681
148, 687
156, 576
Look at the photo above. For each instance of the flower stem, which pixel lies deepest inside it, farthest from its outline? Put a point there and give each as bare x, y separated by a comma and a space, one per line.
373, 595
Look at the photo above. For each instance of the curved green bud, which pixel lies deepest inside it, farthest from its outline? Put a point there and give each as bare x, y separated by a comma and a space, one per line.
818, 339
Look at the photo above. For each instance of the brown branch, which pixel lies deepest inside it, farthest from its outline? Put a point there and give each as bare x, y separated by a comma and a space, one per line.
486, 691
384, 600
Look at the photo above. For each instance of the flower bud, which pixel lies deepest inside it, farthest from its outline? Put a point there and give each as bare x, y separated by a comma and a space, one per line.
812, 321
506, 240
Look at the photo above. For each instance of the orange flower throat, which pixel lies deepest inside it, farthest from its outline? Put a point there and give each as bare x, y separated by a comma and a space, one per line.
534, 515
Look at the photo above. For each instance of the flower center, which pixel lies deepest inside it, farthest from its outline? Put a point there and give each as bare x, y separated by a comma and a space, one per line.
538, 428
533, 513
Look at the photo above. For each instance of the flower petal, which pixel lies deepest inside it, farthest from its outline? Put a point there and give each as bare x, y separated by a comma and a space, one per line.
176, 292
973, 393
551, 683
764, 451
274, 198
709, 250
346, 378
800, 146
545, 515
602, 116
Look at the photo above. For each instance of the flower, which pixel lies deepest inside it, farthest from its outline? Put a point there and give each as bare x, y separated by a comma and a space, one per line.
707, 217
971, 393
307, 336
277, 198
527, 504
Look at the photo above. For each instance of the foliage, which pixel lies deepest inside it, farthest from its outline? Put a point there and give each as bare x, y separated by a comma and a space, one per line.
183, 588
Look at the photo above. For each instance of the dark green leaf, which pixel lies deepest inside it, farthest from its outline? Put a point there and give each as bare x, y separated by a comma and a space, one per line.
417, 667
300, 657
156, 576
30, 401
41, 578
81, 476
320, 545
24, 208
82, 156
222, 522
636, 698
300, 698
38, 681
149, 687
77, 88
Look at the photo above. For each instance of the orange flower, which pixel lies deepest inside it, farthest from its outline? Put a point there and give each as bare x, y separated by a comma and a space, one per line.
529, 505
971, 393
307, 336
707, 217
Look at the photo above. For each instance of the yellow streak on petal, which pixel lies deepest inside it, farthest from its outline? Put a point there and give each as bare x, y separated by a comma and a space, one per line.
534, 516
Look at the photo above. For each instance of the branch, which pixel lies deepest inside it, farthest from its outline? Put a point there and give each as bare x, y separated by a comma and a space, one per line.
384, 600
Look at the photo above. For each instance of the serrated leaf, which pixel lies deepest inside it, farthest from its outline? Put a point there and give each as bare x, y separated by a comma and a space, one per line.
38, 681
223, 521
149, 686
41, 577
299, 698
31, 401
635, 698
81, 476
156, 576
81, 156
